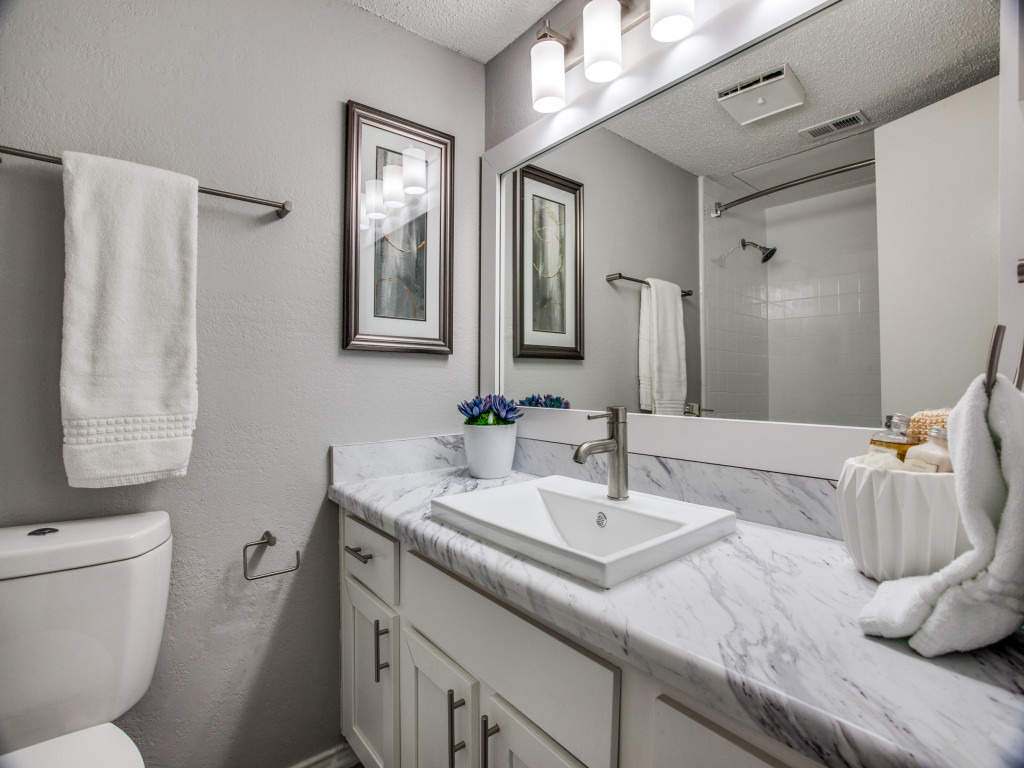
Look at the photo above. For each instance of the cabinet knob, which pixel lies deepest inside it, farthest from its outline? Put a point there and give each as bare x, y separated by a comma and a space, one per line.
485, 734
357, 553
377, 666
452, 746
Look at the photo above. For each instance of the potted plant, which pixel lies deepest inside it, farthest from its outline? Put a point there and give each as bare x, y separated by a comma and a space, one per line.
490, 435
544, 401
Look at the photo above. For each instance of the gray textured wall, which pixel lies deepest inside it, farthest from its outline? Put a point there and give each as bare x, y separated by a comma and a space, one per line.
246, 95
640, 217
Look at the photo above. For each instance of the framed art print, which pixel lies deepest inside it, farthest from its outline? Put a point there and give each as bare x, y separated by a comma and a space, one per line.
398, 235
547, 265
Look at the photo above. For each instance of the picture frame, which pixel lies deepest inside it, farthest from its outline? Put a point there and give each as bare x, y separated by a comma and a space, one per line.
397, 276
547, 265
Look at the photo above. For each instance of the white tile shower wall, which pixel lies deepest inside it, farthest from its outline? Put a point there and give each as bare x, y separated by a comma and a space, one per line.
823, 310
734, 310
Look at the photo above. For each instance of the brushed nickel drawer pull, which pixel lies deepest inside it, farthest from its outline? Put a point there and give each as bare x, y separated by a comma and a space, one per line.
377, 666
485, 734
357, 553
452, 746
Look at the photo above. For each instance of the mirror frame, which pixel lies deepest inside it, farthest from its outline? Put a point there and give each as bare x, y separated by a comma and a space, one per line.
800, 449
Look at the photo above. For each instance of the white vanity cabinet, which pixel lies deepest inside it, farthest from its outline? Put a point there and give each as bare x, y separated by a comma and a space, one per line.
552, 703
449, 676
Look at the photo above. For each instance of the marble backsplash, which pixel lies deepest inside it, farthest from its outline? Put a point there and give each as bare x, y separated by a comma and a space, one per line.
794, 502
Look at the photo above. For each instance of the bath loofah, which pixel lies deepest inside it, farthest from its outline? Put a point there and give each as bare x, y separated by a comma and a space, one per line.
922, 421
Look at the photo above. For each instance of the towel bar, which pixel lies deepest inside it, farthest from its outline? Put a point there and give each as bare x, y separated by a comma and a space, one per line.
995, 349
283, 209
619, 276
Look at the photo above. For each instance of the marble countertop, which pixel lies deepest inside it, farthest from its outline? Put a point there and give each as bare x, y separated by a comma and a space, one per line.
761, 625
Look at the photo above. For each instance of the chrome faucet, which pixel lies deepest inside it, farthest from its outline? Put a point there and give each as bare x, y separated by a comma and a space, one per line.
615, 444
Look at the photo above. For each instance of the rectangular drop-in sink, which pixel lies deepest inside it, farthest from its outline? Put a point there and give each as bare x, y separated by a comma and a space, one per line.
572, 526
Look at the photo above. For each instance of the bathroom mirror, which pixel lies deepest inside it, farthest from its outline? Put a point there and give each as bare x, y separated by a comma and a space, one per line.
836, 301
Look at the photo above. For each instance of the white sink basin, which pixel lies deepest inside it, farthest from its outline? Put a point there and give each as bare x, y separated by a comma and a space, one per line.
573, 526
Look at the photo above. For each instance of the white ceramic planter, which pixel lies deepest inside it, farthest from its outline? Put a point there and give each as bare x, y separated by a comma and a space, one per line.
898, 524
490, 449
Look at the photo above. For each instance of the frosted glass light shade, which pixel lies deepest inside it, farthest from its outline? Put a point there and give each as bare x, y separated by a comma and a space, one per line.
671, 20
414, 171
394, 190
602, 40
547, 75
364, 220
375, 199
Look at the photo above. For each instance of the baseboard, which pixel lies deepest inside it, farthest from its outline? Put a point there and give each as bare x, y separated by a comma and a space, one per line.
340, 756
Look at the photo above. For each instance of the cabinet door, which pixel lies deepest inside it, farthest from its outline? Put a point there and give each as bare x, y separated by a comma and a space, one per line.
434, 722
369, 699
515, 742
685, 739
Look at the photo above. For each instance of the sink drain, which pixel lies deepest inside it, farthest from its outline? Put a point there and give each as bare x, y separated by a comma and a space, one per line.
602, 520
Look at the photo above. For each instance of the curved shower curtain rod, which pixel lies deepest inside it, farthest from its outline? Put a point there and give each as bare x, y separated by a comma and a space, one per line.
721, 208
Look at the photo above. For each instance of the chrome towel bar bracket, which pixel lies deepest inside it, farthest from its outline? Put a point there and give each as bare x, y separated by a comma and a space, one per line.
269, 540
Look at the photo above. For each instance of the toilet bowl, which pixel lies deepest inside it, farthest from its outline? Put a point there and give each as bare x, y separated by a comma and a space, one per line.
83, 605
102, 746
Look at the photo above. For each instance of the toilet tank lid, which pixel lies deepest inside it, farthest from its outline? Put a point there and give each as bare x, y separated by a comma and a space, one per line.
29, 550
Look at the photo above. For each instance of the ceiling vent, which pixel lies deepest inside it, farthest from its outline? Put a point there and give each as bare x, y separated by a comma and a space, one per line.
762, 95
844, 123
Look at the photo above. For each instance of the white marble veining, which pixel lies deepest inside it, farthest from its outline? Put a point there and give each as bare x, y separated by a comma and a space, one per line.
793, 502
760, 625
362, 461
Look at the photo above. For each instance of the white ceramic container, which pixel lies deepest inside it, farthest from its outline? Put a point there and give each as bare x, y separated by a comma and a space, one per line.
490, 449
898, 524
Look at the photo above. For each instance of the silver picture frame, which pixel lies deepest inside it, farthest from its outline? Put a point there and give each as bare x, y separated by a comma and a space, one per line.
397, 276
547, 265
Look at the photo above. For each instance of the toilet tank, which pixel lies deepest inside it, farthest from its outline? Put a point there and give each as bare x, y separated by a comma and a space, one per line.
82, 607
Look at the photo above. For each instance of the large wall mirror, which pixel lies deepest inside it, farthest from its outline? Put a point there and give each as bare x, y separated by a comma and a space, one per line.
862, 293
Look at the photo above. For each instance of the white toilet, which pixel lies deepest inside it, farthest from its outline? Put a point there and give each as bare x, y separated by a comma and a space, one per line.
82, 609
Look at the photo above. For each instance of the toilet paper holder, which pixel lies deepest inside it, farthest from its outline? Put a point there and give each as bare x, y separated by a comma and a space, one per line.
269, 540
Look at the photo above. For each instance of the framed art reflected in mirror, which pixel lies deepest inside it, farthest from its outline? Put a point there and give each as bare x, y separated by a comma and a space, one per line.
398, 235
547, 256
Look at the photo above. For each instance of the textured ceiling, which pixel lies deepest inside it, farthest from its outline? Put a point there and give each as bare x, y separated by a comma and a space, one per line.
479, 29
885, 57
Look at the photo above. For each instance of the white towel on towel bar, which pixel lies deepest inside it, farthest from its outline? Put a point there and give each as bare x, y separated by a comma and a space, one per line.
662, 352
128, 363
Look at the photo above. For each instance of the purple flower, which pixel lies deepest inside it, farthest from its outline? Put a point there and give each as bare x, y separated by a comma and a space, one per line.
492, 409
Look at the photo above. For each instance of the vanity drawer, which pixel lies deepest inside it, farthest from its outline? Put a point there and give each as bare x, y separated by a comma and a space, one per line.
379, 572
569, 693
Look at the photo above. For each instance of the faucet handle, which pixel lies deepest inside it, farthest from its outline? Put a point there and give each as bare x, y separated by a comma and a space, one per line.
614, 414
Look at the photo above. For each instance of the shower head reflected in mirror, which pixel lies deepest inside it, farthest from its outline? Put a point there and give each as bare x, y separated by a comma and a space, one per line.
766, 252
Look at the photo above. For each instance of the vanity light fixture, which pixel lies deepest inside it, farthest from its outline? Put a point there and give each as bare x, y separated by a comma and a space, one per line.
375, 200
594, 38
671, 20
602, 40
547, 70
393, 187
414, 171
